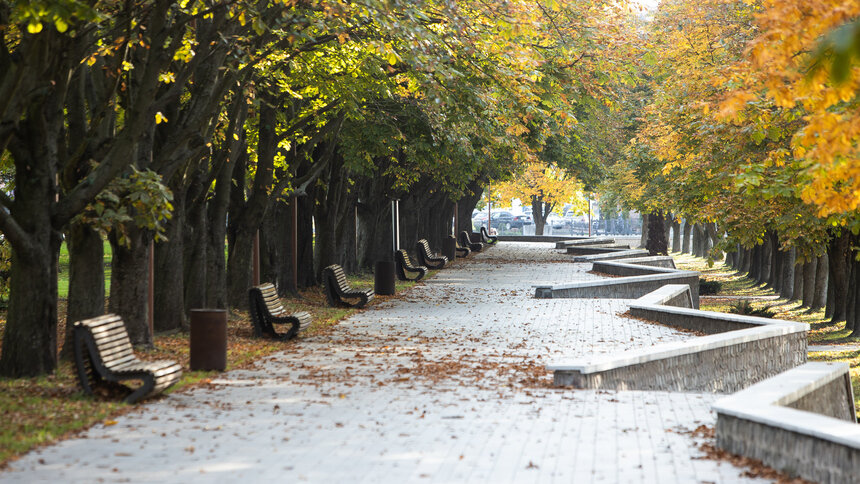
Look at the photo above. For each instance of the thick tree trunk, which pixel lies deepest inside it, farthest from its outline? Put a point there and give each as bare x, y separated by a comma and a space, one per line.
788, 270
656, 243
676, 236
831, 295
685, 245
86, 279
853, 320
819, 297
797, 284
169, 289
30, 339
195, 257
779, 264
239, 258
755, 262
838, 252
698, 234
129, 287
773, 263
765, 261
809, 270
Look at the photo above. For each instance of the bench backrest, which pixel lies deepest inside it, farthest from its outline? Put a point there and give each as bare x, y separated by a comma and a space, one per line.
110, 339
426, 246
270, 299
404, 256
339, 276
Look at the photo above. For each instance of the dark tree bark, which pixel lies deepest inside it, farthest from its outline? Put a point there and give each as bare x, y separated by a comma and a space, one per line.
657, 243
698, 236
788, 270
169, 296
797, 284
643, 240
831, 295
86, 279
195, 246
129, 288
755, 262
540, 211
809, 270
838, 253
685, 245
676, 236
819, 297
853, 315
465, 206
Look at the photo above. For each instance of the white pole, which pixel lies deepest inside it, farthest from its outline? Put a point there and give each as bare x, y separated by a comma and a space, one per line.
394, 224
397, 225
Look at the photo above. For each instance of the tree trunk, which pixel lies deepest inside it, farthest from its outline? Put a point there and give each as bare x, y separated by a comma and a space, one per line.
129, 287
809, 270
195, 242
779, 265
797, 284
169, 296
755, 262
788, 269
819, 297
86, 279
838, 253
30, 339
656, 243
852, 306
697, 240
676, 236
831, 295
685, 245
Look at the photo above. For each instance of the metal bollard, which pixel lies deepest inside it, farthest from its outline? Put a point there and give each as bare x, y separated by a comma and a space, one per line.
208, 339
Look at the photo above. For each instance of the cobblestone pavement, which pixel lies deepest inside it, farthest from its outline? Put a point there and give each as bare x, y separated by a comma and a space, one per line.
443, 383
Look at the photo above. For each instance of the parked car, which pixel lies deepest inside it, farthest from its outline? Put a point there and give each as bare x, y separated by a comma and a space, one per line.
478, 220
554, 221
502, 220
521, 220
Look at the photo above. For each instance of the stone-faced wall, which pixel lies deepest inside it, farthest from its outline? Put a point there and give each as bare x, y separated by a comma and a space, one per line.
723, 368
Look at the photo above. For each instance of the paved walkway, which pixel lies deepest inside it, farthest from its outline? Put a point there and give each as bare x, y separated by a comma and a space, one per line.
445, 383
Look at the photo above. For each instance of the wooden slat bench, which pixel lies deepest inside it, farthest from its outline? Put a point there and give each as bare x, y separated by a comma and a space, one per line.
461, 251
486, 238
337, 288
103, 353
466, 241
404, 265
427, 258
267, 311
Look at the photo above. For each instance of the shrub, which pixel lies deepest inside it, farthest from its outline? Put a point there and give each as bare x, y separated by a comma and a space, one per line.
746, 308
708, 288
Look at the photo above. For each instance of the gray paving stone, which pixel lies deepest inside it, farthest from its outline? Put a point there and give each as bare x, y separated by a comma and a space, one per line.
442, 384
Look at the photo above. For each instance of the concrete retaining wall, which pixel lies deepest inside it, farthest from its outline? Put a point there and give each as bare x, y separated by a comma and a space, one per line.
613, 255
535, 238
597, 249
563, 244
622, 288
738, 351
801, 422
636, 266
718, 364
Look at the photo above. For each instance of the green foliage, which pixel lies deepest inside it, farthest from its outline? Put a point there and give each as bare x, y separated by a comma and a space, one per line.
709, 288
139, 199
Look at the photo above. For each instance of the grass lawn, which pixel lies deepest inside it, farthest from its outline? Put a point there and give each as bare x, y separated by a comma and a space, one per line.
39, 411
821, 332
